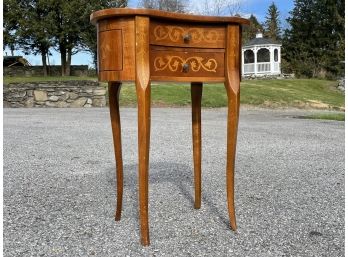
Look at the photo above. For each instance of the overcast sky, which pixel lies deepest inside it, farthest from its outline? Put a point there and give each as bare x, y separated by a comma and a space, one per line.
255, 7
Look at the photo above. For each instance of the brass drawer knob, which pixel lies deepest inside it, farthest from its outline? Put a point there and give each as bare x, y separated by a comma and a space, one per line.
185, 67
187, 38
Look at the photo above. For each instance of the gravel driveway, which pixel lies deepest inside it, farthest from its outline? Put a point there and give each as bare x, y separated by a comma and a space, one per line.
59, 185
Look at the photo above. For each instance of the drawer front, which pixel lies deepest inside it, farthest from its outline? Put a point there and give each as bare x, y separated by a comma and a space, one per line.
190, 63
110, 50
183, 35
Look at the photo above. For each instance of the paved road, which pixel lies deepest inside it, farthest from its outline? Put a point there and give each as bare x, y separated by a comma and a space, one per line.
59, 185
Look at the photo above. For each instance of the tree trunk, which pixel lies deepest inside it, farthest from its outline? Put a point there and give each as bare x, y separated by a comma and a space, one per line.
44, 63
95, 61
48, 64
63, 59
68, 63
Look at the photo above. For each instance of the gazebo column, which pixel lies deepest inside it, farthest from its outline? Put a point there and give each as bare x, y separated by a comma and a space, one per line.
243, 53
255, 60
279, 59
271, 59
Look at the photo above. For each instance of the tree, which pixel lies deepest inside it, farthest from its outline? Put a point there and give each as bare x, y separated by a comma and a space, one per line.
272, 23
73, 27
330, 36
249, 32
31, 30
215, 7
89, 36
165, 5
10, 25
314, 43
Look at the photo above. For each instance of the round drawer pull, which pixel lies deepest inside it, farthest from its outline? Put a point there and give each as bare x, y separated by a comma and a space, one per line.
185, 67
187, 38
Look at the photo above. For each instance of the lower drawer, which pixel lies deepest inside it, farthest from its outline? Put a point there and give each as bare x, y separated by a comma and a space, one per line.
187, 62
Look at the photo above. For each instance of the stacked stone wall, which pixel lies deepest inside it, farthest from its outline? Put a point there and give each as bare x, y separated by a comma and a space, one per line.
77, 93
37, 71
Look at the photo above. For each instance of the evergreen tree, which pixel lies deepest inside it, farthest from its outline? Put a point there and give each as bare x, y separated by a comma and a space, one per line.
35, 26
249, 32
89, 36
32, 29
165, 5
10, 25
272, 23
314, 43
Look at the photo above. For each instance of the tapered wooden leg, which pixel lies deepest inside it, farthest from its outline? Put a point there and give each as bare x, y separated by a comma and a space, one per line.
143, 89
232, 85
196, 98
114, 92
144, 147
232, 127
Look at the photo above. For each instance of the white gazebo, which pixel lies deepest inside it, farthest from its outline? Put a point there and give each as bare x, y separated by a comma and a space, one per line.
261, 56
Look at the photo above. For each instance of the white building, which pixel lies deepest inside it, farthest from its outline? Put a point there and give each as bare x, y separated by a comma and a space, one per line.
261, 56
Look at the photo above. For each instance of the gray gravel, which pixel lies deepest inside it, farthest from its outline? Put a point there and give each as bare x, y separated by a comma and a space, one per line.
59, 185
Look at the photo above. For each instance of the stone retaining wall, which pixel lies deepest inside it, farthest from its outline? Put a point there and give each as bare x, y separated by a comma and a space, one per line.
37, 71
77, 93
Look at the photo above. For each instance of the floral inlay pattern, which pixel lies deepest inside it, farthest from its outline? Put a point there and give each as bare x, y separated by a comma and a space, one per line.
196, 63
104, 51
176, 34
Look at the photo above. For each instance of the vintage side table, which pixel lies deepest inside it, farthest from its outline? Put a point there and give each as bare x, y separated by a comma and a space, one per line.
144, 45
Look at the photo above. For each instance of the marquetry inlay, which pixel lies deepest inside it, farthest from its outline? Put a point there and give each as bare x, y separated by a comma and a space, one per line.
196, 63
177, 33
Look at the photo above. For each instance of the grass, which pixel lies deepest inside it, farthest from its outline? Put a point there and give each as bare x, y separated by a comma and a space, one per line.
41, 79
301, 93
298, 93
326, 116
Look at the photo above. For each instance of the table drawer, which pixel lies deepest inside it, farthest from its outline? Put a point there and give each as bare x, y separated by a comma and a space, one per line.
183, 35
110, 50
189, 62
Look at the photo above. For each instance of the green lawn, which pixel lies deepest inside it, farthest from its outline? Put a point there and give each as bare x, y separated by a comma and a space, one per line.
300, 93
41, 79
326, 116
295, 93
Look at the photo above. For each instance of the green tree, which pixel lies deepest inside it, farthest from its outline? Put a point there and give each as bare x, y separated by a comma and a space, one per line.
89, 36
165, 5
272, 23
330, 37
249, 32
314, 43
10, 25
73, 27
32, 28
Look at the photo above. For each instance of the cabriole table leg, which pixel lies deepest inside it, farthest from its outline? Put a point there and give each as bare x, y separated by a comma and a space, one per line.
143, 88
232, 85
114, 93
196, 98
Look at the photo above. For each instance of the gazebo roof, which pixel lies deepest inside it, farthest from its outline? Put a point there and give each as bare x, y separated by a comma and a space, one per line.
260, 40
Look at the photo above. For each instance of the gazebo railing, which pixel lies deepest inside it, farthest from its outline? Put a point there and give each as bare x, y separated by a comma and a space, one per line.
276, 67
263, 67
249, 68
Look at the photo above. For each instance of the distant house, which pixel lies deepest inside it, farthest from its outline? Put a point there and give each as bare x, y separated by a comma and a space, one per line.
261, 56
15, 61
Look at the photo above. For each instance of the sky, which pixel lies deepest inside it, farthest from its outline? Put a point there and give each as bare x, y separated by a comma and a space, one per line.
256, 7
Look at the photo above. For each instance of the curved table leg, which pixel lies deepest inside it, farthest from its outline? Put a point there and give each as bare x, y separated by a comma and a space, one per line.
232, 127
196, 98
232, 85
142, 81
114, 92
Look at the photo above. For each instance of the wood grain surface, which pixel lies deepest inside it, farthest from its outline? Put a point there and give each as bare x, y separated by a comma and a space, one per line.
187, 35
147, 45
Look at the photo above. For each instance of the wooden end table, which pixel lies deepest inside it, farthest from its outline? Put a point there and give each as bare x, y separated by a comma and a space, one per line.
144, 45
